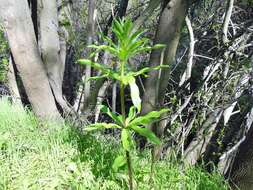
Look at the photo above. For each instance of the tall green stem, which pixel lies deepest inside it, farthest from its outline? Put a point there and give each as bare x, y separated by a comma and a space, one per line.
122, 102
130, 172
123, 113
152, 168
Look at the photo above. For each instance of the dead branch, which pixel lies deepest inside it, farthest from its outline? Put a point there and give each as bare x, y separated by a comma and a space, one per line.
226, 20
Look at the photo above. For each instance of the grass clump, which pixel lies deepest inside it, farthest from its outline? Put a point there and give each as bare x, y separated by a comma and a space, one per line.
40, 155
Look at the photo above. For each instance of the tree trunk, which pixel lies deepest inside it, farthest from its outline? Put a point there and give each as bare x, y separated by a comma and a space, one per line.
153, 4
50, 49
21, 36
169, 28
90, 35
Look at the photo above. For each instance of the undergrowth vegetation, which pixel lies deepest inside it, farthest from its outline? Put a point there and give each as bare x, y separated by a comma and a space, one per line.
41, 155
3, 56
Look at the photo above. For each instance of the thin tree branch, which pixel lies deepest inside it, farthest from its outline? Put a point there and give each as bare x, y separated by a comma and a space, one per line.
226, 20
187, 74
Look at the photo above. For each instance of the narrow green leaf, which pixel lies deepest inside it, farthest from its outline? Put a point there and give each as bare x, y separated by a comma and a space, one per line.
140, 72
98, 126
139, 44
117, 25
120, 161
84, 61
104, 69
145, 70
110, 49
97, 77
148, 118
147, 133
159, 46
115, 117
108, 40
97, 66
143, 50
127, 27
136, 36
131, 114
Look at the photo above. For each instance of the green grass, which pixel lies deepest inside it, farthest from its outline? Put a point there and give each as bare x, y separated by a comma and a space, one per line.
36, 155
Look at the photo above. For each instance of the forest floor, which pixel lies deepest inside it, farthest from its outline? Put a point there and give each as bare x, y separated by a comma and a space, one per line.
40, 155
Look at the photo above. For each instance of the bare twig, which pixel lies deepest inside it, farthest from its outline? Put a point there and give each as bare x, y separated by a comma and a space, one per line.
226, 20
203, 56
179, 111
191, 50
91, 30
187, 74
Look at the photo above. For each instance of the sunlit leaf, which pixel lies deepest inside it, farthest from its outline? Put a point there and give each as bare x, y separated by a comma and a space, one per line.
126, 79
131, 114
108, 48
135, 94
98, 126
148, 118
103, 68
115, 117
97, 66
119, 162
145, 70
127, 27
141, 43
143, 50
97, 77
140, 72
158, 46
117, 26
135, 36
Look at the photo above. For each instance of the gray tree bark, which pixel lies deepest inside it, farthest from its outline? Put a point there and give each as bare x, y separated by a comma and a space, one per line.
50, 49
18, 24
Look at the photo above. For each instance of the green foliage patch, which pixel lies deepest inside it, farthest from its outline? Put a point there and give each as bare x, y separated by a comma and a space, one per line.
40, 155
129, 43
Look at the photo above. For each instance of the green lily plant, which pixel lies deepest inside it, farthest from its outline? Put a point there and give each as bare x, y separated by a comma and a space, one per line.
128, 44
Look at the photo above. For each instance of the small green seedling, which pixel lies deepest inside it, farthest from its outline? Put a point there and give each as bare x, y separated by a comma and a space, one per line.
128, 44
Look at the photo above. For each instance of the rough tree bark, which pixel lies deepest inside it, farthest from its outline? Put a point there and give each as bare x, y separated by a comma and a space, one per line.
18, 24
